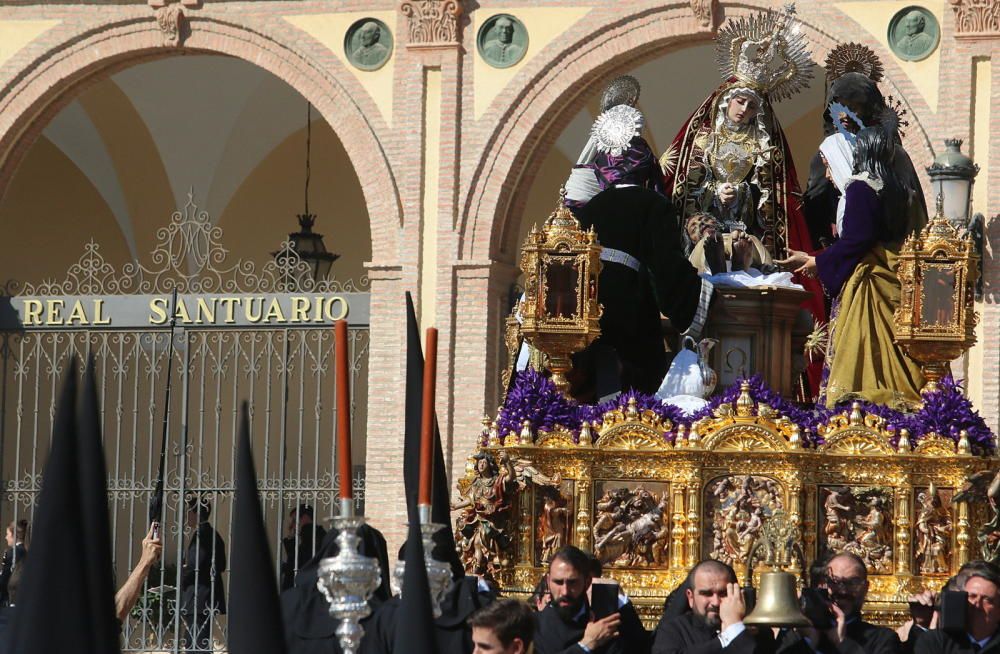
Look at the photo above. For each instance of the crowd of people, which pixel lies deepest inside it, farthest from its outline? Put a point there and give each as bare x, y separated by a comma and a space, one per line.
574, 610
705, 614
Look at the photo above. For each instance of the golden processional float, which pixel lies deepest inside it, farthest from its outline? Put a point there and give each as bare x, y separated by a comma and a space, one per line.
651, 490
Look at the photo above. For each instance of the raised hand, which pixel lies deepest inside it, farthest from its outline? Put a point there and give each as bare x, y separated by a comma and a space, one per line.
601, 631
732, 608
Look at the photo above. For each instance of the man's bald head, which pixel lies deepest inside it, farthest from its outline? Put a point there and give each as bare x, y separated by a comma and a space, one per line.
849, 561
713, 567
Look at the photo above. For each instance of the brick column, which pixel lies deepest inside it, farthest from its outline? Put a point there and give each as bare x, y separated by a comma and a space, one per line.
480, 304
385, 502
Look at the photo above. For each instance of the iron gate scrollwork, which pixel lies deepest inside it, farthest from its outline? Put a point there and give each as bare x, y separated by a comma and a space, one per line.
247, 347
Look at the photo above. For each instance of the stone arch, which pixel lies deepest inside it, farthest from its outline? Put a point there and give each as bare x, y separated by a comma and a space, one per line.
68, 63
555, 86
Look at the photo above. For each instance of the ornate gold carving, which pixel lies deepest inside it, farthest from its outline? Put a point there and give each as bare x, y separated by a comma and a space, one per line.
976, 18
935, 445
962, 536
556, 439
693, 543
678, 530
859, 520
744, 438
554, 518
432, 23
559, 313
583, 540
527, 436
481, 532
737, 509
851, 442
935, 321
933, 531
632, 439
631, 526
887, 518
809, 524
856, 432
524, 530
903, 532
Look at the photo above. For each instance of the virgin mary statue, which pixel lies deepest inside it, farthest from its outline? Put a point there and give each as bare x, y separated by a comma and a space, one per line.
730, 166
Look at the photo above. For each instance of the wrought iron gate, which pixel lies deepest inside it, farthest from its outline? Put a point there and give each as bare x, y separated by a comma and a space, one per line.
242, 333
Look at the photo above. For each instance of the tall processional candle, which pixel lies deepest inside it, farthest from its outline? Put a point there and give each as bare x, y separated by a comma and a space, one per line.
427, 424
342, 382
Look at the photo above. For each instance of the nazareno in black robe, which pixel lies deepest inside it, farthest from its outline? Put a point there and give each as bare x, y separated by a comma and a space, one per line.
309, 629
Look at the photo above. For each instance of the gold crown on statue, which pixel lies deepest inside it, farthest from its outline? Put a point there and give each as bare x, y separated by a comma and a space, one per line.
766, 51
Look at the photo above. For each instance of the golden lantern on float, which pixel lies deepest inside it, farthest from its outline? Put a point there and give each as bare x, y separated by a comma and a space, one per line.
936, 319
560, 313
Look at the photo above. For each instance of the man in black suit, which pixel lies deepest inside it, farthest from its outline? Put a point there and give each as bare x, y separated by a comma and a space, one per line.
715, 621
982, 619
570, 624
847, 581
202, 592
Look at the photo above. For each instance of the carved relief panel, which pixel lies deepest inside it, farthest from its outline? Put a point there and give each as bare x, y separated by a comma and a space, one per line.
933, 530
857, 519
632, 523
554, 511
736, 509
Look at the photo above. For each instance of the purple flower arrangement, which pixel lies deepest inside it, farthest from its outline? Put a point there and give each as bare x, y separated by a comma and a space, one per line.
534, 397
946, 411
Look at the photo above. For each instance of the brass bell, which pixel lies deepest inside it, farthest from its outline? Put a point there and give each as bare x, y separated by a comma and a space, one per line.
777, 603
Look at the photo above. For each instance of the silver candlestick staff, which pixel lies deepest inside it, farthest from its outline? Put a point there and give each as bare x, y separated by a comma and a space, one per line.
438, 572
348, 580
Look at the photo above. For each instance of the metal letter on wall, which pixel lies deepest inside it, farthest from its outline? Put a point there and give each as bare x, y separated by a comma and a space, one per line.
243, 332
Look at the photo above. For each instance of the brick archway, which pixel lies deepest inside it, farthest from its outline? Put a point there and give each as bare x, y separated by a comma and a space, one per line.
555, 86
70, 61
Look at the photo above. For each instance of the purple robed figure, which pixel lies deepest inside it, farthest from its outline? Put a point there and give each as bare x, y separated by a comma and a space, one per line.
835, 264
863, 360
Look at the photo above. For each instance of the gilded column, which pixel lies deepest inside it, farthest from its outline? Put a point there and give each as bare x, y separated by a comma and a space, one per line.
584, 535
809, 524
678, 532
794, 525
693, 545
903, 496
962, 535
526, 549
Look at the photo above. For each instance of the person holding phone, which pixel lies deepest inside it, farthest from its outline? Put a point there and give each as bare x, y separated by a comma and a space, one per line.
981, 632
840, 629
571, 624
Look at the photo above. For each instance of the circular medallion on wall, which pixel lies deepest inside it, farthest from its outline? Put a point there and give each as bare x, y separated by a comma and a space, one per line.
368, 44
913, 33
502, 41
